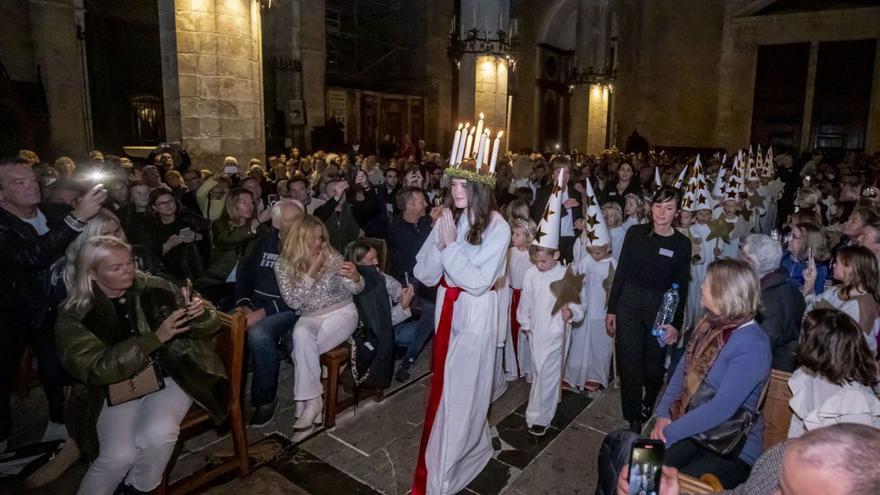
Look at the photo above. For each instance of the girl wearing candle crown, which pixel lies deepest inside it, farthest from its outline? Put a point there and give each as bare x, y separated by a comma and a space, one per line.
465, 254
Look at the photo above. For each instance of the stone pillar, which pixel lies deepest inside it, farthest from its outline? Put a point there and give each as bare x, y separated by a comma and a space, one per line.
593, 27
872, 137
482, 83
313, 53
597, 119
809, 95
212, 77
56, 51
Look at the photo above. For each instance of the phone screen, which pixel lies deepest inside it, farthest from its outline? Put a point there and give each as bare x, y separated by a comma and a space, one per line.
646, 461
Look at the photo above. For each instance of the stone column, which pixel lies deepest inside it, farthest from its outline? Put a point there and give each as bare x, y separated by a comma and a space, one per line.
587, 132
313, 54
212, 75
56, 51
482, 83
872, 137
809, 95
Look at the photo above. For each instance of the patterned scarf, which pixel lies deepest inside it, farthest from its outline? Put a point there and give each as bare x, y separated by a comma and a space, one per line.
710, 335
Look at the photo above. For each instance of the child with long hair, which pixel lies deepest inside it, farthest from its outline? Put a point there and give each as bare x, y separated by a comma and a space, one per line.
836, 373
857, 294
517, 360
465, 254
804, 241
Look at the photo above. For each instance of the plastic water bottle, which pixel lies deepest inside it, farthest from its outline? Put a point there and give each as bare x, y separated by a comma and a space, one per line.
666, 313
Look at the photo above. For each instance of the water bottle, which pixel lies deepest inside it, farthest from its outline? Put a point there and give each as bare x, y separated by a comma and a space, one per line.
666, 313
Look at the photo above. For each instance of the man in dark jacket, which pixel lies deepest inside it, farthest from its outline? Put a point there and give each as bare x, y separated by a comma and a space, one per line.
345, 214
269, 319
782, 304
32, 238
571, 207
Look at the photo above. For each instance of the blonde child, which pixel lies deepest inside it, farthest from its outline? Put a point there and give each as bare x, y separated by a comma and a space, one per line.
546, 331
517, 361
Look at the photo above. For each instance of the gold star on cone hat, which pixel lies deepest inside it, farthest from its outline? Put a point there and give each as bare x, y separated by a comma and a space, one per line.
697, 196
679, 181
595, 228
547, 234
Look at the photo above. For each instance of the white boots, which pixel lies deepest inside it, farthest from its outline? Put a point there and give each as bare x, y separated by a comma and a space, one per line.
311, 414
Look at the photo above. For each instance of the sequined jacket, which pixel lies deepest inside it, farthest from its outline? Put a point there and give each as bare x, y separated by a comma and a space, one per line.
312, 296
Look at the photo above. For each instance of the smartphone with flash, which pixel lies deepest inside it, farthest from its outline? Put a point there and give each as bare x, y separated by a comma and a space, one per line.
645, 467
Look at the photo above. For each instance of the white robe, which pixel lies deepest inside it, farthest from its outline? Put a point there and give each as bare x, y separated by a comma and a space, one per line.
816, 403
617, 235
694, 310
548, 336
518, 262
459, 445
589, 349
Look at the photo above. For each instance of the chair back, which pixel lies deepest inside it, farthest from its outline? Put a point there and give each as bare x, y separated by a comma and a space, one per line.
230, 348
777, 413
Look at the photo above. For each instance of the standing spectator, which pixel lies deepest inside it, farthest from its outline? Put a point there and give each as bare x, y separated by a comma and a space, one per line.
268, 316
32, 238
300, 190
388, 192
635, 297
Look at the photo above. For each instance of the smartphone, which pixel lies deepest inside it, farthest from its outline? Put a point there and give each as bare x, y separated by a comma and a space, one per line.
351, 173
645, 465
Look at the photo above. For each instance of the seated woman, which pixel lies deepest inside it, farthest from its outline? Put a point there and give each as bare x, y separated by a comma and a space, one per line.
175, 234
805, 240
231, 236
836, 373
318, 284
409, 335
857, 294
105, 223
113, 324
730, 354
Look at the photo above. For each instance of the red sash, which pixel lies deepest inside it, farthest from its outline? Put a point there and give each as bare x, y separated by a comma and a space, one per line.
438, 360
514, 324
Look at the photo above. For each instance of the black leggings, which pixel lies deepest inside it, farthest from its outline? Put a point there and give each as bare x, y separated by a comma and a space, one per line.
690, 458
639, 355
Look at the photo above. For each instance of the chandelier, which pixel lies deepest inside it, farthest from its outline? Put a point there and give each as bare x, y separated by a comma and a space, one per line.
602, 76
502, 45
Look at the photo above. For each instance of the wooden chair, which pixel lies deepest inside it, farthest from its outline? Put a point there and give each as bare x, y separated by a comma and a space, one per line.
689, 484
230, 347
334, 360
777, 413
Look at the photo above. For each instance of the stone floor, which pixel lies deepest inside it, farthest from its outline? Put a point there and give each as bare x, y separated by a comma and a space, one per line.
373, 448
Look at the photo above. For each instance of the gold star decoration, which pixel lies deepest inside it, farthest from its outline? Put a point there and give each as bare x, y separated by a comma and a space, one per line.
567, 290
719, 229
547, 213
756, 201
593, 220
539, 234
740, 229
555, 189
591, 235
608, 282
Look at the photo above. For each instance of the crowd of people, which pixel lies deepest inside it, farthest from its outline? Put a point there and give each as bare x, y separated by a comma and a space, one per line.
550, 269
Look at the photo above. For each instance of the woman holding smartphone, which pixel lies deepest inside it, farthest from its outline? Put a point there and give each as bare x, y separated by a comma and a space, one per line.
117, 323
175, 235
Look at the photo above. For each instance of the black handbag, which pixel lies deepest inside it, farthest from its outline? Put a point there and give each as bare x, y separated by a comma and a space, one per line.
364, 345
728, 438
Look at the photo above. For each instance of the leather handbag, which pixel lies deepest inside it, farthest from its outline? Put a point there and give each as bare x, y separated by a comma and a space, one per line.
728, 438
143, 383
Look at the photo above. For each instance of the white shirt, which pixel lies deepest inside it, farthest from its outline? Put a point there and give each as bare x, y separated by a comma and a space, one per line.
566, 228
38, 222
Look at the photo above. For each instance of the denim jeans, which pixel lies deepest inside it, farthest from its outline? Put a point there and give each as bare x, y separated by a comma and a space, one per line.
414, 334
263, 341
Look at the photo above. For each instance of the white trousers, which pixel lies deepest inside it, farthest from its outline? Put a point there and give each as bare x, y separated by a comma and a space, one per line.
136, 438
313, 336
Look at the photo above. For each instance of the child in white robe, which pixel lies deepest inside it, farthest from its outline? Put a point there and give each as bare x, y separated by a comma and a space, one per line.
590, 347
547, 335
517, 359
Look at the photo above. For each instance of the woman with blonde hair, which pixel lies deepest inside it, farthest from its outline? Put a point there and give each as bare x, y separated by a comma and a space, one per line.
318, 284
117, 323
722, 375
806, 241
857, 294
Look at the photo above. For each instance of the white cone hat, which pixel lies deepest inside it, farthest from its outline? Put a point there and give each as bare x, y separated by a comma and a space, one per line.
547, 234
595, 228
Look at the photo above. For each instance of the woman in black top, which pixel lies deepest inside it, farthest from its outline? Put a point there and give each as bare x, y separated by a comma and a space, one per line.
176, 235
625, 184
654, 256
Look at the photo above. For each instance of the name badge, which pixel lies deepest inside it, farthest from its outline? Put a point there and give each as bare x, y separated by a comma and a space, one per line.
666, 252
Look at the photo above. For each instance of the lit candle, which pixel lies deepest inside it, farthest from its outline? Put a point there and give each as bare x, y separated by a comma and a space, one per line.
494, 159
479, 128
468, 145
487, 146
459, 154
454, 151
481, 149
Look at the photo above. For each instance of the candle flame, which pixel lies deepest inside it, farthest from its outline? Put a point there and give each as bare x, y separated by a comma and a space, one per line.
486, 131
481, 115
500, 133
467, 125
459, 126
